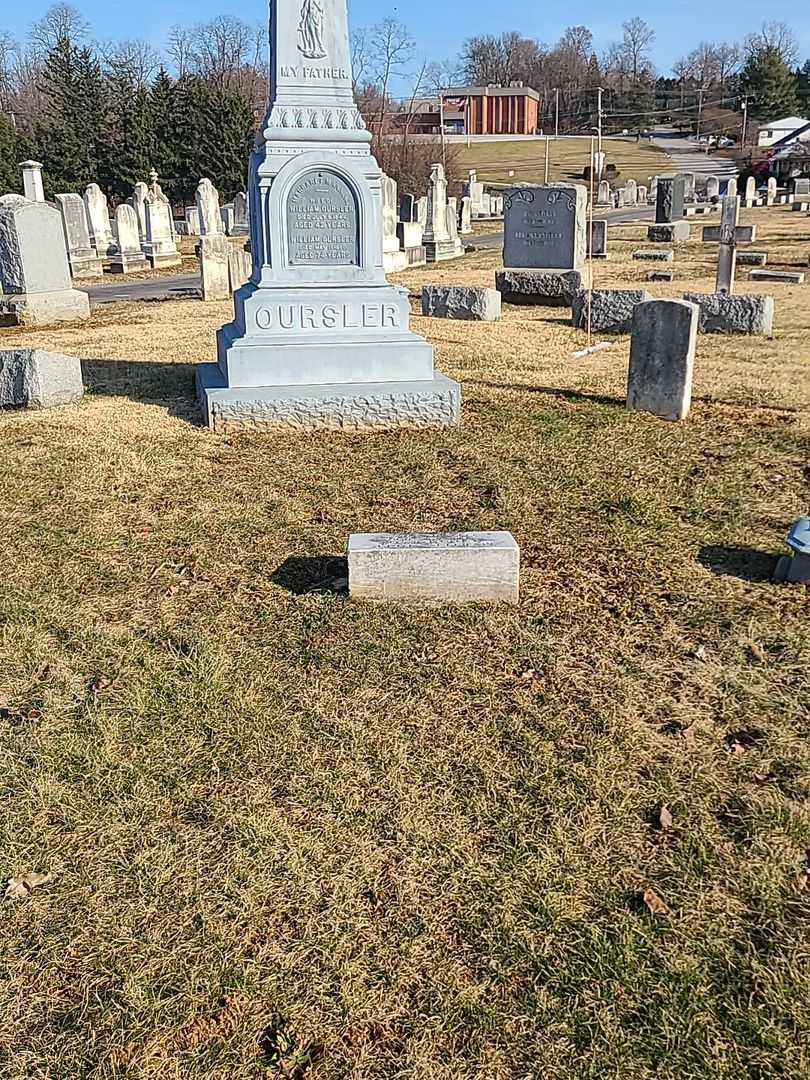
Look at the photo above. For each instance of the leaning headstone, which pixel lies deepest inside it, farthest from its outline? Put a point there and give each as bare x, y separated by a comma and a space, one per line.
669, 199
609, 310
465, 222
319, 338
84, 262
35, 285
597, 238
208, 212
393, 257
129, 256
34, 379
98, 215
438, 567
461, 302
727, 253
159, 246
138, 202
662, 354
724, 314
213, 252
241, 225
32, 181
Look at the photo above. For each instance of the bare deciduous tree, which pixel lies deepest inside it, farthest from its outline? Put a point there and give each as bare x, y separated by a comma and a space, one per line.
59, 23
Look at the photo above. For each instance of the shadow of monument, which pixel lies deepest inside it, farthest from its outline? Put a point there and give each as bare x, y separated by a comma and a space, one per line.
148, 382
745, 563
300, 574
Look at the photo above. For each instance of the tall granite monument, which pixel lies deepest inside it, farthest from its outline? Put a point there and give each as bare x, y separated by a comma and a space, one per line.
319, 338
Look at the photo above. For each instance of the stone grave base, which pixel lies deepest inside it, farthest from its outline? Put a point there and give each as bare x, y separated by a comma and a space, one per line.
85, 266
439, 250
611, 309
415, 256
158, 259
39, 309
128, 263
724, 314
429, 403
674, 232
547, 288
34, 379
393, 261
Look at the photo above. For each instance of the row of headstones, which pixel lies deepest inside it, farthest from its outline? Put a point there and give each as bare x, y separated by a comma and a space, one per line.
483, 204
422, 230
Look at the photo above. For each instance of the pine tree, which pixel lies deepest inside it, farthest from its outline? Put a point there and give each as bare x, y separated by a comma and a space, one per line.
641, 103
10, 173
163, 121
803, 89
770, 84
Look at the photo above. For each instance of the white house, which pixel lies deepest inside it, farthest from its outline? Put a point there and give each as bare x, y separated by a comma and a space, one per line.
768, 134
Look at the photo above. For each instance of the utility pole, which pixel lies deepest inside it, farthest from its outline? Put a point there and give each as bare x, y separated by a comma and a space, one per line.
745, 120
599, 92
441, 126
556, 111
701, 92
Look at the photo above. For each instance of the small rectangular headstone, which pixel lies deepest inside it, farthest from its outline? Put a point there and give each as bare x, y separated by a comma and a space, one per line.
662, 355
669, 199
438, 567
544, 227
792, 277
653, 255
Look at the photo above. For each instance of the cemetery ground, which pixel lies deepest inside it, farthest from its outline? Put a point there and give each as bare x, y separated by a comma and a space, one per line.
295, 836
493, 160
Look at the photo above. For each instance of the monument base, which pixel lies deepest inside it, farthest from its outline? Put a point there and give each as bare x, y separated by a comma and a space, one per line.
394, 261
429, 403
40, 309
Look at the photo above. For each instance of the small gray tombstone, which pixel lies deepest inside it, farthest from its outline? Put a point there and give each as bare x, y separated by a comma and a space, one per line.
662, 354
669, 199
544, 227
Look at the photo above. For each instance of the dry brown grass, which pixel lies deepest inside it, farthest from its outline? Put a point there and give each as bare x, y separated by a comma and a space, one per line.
293, 836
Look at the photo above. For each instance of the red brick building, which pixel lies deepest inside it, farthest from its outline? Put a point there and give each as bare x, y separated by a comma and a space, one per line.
491, 110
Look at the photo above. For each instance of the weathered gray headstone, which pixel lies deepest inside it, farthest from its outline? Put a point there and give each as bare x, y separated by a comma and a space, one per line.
409, 235
319, 338
743, 234
611, 310
752, 258
241, 225
159, 246
84, 262
465, 224
603, 194
801, 186
669, 199
712, 187
438, 567
688, 186
394, 258
674, 232
98, 215
653, 255
750, 190
407, 207
545, 227
34, 379
208, 211
138, 201
795, 568
129, 256
662, 353
597, 238
789, 277
461, 302
731, 187
770, 197
35, 285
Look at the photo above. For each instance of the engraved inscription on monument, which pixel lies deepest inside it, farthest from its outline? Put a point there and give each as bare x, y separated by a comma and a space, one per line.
322, 221
539, 228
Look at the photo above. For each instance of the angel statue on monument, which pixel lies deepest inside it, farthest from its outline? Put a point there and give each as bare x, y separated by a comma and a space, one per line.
310, 30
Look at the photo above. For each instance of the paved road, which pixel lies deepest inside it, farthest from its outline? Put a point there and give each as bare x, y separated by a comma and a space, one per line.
689, 156
159, 288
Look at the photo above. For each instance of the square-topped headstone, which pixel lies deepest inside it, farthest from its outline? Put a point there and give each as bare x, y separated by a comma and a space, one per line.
669, 199
545, 227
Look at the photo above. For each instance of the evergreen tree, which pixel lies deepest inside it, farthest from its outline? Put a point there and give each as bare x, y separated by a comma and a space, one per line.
641, 103
10, 172
163, 122
770, 84
127, 151
803, 89
70, 135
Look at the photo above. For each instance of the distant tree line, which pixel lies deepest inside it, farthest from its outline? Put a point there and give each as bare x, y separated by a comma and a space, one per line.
110, 112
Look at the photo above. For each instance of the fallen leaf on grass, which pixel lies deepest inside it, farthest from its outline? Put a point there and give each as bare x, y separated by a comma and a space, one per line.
665, 818
654, 902
19, 888
688, 733
101, 682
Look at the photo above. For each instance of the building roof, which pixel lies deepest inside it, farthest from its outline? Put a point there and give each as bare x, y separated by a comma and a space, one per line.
793, 136
515, 90
789, 123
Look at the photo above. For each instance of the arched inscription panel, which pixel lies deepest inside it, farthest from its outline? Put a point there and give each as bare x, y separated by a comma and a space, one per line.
322, 221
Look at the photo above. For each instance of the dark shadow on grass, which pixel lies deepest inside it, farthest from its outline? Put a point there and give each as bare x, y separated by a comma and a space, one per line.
741, 562
301, 574
149, 382
552, 391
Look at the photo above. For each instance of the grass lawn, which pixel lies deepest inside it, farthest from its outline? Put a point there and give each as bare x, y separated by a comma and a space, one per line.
295, 836
567, 158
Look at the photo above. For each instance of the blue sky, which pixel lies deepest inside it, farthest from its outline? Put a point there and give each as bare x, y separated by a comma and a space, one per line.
439, 28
